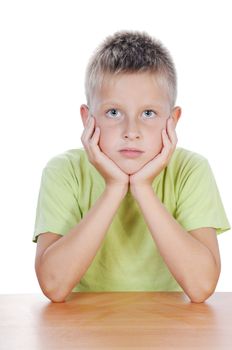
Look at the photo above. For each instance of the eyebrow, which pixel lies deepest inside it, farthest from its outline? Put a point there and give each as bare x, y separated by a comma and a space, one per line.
151, 105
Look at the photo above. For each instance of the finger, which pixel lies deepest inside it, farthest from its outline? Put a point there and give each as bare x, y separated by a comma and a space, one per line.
172, 131
88, 131
93, 143
96, 136
87, 121
86, 138
93, 136
166, 139
168, 150
85, 129
167, 147
91, 128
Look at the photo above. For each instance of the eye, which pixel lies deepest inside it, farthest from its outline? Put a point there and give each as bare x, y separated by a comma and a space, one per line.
113, 112
150, 113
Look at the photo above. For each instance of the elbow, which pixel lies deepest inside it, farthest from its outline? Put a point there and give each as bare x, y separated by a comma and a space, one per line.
51, 289
56, 298
201, 294
197, 299
55, 295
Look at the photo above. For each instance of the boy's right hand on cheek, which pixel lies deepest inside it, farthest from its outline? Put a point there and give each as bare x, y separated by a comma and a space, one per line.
112, 174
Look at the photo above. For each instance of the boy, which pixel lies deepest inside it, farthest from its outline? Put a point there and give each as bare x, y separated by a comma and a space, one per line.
129, 211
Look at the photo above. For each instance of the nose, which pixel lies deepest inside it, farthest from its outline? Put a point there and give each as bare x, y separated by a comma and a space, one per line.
131, 131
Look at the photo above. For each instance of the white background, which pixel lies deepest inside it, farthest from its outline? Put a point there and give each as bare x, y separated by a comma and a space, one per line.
45, 46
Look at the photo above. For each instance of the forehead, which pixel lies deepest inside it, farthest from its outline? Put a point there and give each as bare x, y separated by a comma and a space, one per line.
134, 88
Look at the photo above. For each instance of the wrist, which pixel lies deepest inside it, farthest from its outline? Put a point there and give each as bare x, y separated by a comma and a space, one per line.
140, 190
119, 190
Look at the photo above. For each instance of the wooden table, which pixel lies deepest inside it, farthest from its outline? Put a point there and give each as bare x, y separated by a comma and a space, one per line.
118, 320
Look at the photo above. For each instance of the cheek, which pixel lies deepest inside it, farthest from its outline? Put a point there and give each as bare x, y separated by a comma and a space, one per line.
155, 140
105, 142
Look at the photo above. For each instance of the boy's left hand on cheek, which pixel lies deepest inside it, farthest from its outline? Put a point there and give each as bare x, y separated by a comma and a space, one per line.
146, 175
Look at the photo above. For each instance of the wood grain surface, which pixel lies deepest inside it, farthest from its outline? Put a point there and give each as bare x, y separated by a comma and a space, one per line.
116, 320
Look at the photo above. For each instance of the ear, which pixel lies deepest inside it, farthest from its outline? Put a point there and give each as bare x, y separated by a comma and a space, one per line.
176, 113
84, 111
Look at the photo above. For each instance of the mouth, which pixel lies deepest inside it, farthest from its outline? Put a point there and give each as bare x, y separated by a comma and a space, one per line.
131, 153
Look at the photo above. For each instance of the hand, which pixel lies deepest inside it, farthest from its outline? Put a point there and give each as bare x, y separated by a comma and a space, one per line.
112, 174
146, 175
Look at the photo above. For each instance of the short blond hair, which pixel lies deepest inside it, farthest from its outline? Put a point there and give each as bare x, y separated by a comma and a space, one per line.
130, 52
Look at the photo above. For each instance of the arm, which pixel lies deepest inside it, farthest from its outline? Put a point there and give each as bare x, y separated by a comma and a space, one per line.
193, 259
61, 265
62, 261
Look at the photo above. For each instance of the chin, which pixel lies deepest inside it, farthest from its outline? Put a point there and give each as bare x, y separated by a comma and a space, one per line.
130, 169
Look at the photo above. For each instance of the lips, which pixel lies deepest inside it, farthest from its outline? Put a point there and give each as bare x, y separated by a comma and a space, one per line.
131, 149
131, 152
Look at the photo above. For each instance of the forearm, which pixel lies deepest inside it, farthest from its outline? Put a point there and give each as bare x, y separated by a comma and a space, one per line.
65, 262
190, 262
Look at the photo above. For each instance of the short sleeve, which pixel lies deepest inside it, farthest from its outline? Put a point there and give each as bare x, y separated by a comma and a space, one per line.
198, 201
57, 208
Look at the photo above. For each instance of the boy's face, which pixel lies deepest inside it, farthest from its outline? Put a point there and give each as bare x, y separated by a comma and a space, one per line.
131, 111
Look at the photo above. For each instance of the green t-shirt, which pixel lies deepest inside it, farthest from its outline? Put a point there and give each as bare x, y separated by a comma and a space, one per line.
128, 259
